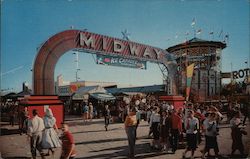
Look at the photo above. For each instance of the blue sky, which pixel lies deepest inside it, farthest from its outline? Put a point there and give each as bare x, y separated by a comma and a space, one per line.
26, 24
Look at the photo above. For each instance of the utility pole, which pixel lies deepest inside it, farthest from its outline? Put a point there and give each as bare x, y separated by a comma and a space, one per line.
77, 65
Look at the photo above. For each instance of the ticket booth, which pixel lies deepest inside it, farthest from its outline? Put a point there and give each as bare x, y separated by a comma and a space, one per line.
41, 103
176, 101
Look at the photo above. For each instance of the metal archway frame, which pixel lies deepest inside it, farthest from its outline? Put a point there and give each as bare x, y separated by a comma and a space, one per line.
57, 45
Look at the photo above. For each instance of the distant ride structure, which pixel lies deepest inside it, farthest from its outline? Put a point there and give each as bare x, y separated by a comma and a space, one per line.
206, 55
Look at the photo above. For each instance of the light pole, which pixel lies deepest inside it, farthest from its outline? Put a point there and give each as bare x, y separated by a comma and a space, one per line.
77, 65
248, 71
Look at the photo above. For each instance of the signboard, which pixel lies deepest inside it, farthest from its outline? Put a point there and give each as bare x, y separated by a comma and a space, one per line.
120, 61
77, 40
226, 75
105, 44
241, 73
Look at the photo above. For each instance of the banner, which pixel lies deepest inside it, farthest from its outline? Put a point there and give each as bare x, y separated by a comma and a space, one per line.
120, 61
190, 70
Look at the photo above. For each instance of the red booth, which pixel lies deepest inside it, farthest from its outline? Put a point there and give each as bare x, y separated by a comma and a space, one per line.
41, 103
176, 101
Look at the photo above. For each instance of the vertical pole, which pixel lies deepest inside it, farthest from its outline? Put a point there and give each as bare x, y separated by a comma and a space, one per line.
231, 64
208, 94
199, 82
77, 64
194, 32
215, 82
181, 72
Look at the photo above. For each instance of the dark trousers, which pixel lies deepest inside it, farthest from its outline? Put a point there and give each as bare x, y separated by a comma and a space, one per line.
137, 124
175, 139
131, 133
211, 143
35, 143
69, 157
245, 118
23, 125
106, 120
12, 120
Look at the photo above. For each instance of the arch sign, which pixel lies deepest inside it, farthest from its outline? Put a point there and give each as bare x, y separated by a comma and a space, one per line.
57, 45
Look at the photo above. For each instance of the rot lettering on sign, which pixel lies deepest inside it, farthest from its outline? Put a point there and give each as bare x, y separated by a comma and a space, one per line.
241, 73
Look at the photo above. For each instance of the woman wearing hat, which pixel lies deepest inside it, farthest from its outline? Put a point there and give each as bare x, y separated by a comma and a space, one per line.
50, 138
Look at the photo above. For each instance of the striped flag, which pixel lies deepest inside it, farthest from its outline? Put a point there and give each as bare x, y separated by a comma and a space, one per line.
190, 70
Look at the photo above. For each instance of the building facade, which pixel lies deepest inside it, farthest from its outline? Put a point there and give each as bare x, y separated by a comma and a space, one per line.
206, 55
68, 88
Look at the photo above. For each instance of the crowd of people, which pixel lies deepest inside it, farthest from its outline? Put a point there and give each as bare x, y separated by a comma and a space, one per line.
168, 126
192, 123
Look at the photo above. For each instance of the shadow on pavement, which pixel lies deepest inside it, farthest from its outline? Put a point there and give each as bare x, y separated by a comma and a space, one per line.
80, 122
101, 141
142, 151
96, 131
5, 131
93, 131
17, 158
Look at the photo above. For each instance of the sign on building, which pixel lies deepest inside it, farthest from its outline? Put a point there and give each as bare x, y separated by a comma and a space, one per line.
120, 61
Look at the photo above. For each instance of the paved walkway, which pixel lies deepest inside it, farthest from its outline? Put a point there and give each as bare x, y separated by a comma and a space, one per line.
93, 142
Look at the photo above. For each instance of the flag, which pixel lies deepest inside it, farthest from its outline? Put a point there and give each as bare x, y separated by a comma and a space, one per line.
226, 38
190, 70
221, 33
176, 36
198, 31
193, 22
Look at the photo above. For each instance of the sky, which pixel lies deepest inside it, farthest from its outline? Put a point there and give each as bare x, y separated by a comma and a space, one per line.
26, 24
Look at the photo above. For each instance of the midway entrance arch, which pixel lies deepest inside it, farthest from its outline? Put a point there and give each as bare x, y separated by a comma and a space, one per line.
57, 45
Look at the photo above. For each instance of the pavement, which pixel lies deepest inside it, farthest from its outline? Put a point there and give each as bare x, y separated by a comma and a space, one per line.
93, 142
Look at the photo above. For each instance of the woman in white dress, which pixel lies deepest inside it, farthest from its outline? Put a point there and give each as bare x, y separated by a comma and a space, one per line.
50, 138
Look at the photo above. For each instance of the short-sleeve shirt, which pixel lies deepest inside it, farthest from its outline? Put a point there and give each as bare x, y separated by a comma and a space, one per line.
176, 122
193, 125
67, 141
212, 131
130, 120
85, 109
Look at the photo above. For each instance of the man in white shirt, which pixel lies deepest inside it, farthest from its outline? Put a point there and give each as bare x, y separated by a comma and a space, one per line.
35, 129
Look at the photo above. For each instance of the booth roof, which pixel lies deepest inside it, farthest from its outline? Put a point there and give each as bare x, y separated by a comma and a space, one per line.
87, 90
90, 89
103, 96
144, 89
